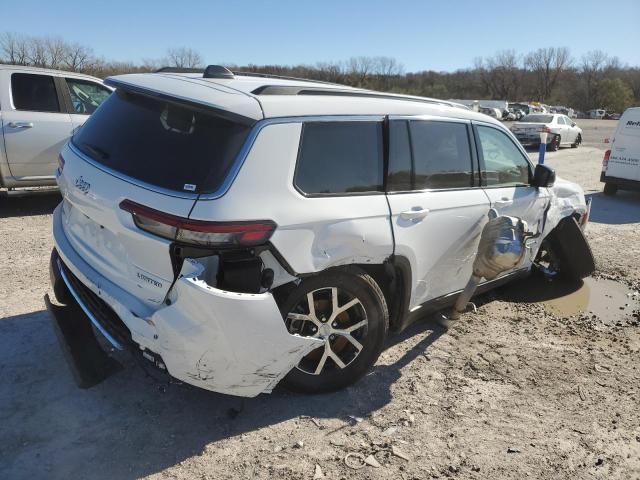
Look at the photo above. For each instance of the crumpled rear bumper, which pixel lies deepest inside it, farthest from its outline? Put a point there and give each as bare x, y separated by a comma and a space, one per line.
227, 342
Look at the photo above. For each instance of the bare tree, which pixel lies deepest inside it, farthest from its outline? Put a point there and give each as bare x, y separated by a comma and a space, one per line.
387, 66
79, 58
547, 65
501, 74
14, 48
183, 58
331, 71
57, 51
38, 52
595, 65
359, 69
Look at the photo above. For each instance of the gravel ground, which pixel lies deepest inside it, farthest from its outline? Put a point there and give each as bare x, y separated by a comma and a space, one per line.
517, 390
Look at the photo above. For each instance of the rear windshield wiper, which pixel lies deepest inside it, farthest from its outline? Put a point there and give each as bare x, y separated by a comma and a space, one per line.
96, 150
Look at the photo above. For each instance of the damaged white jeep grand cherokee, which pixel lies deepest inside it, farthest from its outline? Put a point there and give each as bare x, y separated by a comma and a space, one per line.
238, 230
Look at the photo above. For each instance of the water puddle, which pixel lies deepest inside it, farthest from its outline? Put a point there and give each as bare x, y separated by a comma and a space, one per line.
610, 301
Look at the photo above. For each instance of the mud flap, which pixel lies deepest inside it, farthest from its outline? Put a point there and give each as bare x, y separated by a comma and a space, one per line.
89, 363
572, 249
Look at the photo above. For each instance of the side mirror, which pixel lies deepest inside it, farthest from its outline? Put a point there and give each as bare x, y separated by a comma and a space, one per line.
543, 176
573, 124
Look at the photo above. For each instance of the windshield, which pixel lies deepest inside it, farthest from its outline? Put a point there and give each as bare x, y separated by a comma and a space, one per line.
164, 144
537, 119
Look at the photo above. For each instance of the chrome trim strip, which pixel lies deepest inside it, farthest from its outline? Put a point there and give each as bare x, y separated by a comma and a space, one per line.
86, 310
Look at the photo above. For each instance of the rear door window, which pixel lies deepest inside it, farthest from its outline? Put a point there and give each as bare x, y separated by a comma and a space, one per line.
340, 158
164, 144
35, 93
441, 155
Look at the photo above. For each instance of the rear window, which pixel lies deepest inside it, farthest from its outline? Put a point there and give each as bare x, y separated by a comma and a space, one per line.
168, 145
537, 119
340, 158
441, 154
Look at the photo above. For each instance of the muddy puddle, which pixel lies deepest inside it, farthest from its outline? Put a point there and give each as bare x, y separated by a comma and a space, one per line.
610, 301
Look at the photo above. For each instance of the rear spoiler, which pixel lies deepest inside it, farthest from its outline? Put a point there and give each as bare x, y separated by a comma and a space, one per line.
225, 102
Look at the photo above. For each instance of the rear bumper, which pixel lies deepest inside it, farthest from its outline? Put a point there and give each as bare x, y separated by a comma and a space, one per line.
227, 342
622, 183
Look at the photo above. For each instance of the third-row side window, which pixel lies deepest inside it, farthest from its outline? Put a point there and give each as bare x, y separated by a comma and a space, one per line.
340, 158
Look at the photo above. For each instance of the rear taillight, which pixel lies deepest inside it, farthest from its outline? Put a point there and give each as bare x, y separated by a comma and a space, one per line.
605, 160
546, 129
197, 232
60, 163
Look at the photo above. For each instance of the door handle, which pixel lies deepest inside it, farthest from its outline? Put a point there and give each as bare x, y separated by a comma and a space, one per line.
20, 124
504, 202
416, 213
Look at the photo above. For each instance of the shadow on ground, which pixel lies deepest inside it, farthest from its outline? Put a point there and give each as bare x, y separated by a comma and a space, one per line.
134, 425
19, 204
619, 209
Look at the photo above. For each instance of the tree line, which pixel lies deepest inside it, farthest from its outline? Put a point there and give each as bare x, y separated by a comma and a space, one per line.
549, 75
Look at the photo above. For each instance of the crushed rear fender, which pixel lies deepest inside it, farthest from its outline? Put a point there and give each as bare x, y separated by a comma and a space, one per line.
228, 342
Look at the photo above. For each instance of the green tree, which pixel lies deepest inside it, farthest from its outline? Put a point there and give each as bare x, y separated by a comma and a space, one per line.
613, 94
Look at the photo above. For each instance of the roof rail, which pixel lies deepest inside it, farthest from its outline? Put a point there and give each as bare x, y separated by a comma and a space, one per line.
282, 77
178, 70
346, 92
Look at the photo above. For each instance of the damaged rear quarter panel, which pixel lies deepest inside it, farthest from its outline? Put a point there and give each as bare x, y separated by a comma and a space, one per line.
233, 343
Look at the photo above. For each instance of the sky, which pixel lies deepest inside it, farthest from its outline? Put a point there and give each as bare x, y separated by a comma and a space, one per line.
421, 35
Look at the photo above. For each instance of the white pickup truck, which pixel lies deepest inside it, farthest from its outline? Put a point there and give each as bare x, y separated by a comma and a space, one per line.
39, 109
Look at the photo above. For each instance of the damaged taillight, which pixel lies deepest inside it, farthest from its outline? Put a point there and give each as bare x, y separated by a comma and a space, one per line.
198, 232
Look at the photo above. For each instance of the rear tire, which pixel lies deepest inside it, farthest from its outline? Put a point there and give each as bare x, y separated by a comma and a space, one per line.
610, 189
348, 285
577, 142
554, 146
570, 250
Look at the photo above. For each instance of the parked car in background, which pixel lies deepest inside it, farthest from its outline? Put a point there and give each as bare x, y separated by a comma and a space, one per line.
621, 164
597, 114
560, 128
238, 229
39, 109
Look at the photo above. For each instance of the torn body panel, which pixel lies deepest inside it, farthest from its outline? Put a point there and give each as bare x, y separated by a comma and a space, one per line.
567, 198
227, 342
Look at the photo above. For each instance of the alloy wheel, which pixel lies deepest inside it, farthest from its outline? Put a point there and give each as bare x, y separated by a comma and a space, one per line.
333, 315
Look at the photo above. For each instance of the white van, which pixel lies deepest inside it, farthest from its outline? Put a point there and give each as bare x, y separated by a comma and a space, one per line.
621, 164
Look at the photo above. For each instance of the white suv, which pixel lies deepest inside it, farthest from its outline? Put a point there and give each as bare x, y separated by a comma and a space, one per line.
241, 229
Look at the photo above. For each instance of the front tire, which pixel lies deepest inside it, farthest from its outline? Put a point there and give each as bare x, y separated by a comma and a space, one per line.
577, 142
610, 189
569, 250
347, 310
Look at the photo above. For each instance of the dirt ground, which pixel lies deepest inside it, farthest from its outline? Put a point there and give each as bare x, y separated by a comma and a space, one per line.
533, 385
